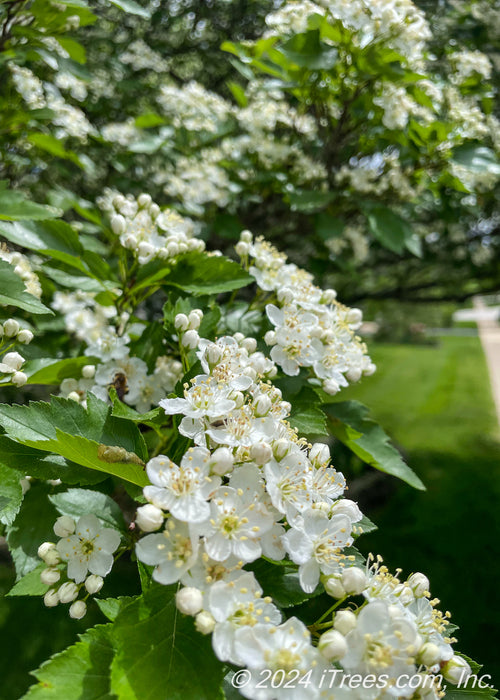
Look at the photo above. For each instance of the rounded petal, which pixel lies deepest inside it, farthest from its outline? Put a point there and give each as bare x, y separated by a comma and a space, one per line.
87, 527
77, 569
108, 540
100, 563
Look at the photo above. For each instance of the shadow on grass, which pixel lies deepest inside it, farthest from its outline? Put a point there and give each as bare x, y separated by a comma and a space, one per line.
452, 533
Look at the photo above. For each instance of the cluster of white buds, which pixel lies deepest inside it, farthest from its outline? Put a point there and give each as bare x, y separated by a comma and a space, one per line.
11, 363
187, 327
86, 548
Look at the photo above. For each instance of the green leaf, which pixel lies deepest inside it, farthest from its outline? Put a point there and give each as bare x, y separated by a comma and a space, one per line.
14, 206
480, 159
11, 494
122, 410
30, 584
50, 371
32, 526
281, 582
309, 201
80, 435
306, 414
391, 230
80, 671
44, 466
78, 502
197, 273
307, 51
13, 292
146, 121
159, 653
111, 607
350, 424
43, 237
75, 50
51, 145
131, 7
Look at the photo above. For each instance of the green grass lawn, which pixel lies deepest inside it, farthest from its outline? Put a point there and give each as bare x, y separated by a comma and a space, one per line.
436, 404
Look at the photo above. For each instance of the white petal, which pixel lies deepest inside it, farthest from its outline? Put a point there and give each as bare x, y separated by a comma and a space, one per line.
309, 575
100, 563
171, 406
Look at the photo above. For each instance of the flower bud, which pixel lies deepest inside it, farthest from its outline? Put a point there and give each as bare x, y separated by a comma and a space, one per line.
370, 369
130, 241
68, 592
64, 526
354, 580
194, 319
11, 328
222, 461
242, 248
94, 583
238, 397
25, 336
154, 210
354, 316
329, 296
48, 552
261, 453
190, 339
51, 599
44, 548
246, 236
25, 484
74, 396
353, 374
334, 587
204, 622
285, 295
419, 584
331, 387
250, 344
50, 576
19, 378
346, 507
149, 518
144, 200
189, 600
429, 654
88, 371
344, 621
270, 338
238, 337
213, 354
332, 645
78, 610
118, 224
181, 322
457, 670
13, 360
262, 406
319, 453
281, 447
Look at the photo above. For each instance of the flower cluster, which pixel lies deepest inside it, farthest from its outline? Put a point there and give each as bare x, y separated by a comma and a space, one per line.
150, 232
83, 555
11, 362
311, 328
23, 268
250, 487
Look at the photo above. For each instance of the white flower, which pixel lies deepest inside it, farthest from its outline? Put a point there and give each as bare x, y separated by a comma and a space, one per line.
316, 545
89, 549
182, 490
384, 644
236, 604
286, 648
235, 526
206, 397
172, 551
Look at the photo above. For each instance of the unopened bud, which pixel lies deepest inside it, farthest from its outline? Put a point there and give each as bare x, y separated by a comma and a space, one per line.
19, 379
262, 406
222, 461
331, 387
51, 599
261, 453
195, 318
94, 583
344, 621
419, 584
68, 592
64, 526
334, 587
354, 580
149, 518
50, 576
204, 622
353, 375
246, 236
144, 200
429, 654
457, 670
13, 360
319, 453
11, 328
281, 447
190, 339
189, 600
25, 336
118, 224
181, 322
270, 338
332, 645
250, 344
354, 316
88, 371
78, 610
242, 248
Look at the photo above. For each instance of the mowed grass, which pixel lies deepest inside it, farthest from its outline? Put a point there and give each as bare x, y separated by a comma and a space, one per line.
436, 403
